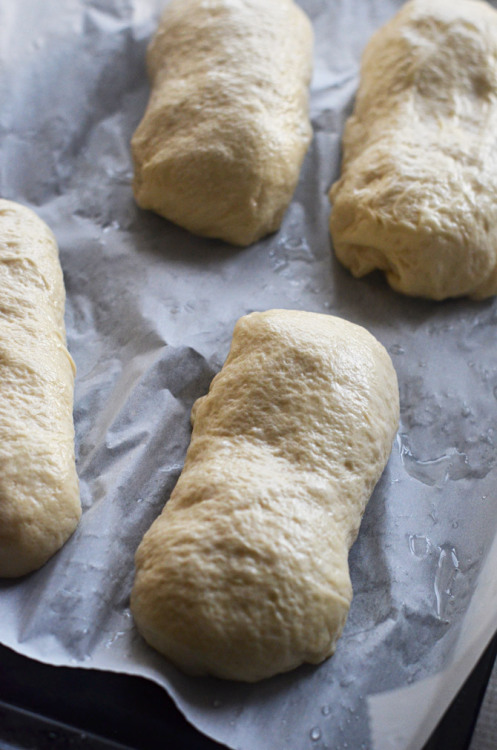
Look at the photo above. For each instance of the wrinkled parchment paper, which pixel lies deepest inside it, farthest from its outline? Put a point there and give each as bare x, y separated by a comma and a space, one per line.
150, 312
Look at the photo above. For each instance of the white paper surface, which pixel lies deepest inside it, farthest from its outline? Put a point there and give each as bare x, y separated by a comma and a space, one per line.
150, 312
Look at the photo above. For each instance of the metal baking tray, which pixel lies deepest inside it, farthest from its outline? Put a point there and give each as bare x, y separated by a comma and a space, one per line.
53, 708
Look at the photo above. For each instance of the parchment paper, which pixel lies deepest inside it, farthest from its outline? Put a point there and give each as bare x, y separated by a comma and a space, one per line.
150, 312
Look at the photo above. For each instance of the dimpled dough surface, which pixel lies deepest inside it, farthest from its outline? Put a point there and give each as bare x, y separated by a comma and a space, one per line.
39, 495
416, 197
221, 144
245, 573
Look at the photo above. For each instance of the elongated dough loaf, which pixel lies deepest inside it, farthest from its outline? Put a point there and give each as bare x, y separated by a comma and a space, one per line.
221, 144
245, 573
39, 495
416, 198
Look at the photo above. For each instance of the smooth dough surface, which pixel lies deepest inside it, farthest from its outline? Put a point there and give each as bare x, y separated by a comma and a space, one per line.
416, 197
39, 494
245, 573
221, 144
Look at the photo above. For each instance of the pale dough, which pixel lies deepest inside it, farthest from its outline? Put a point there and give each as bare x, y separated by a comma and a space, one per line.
39, 495
417, 194
245, 573
221, 144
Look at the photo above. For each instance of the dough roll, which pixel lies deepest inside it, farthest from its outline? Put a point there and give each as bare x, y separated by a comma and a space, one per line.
416, 198
39, 495
245, 573
221, 144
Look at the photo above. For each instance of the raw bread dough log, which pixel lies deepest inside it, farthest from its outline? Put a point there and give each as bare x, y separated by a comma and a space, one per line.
221, 144
39, 496
417, 195
245, 573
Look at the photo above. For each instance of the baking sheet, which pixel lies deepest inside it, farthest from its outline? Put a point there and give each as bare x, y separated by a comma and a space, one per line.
150, 313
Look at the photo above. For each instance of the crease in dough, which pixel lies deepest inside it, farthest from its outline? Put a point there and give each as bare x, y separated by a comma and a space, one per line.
416, 196
39, 492
245, 574
225, 132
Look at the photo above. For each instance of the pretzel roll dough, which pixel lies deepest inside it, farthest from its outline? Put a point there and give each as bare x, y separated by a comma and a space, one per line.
221, 144
416, 197
39, 495
245, 573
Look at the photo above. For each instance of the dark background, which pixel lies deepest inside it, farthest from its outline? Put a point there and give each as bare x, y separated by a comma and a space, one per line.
54, 708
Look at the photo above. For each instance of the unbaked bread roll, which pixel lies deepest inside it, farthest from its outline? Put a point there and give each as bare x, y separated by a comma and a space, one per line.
245, 573
221, 144
39, 495
416, 198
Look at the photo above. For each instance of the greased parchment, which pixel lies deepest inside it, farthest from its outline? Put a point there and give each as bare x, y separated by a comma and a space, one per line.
150, 312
